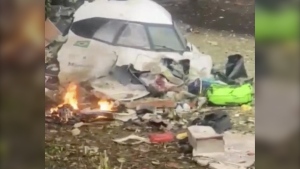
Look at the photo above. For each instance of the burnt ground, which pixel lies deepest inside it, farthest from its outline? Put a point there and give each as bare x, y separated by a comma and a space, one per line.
220, 29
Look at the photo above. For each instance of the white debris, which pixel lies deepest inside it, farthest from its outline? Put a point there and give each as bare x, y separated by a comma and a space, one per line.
171, 95
183, 108
75, 132
138, 140
148, 116
214, 43
124, 117
77, 125
201, 102
239, 153
179, 109
186, 107
204, 140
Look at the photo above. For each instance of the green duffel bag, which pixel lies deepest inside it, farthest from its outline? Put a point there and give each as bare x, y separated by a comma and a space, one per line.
230, 95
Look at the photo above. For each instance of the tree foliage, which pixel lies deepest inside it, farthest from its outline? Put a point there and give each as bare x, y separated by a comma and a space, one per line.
47, 7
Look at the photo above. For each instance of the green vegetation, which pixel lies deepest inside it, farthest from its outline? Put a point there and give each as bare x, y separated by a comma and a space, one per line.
47, 7
276, 25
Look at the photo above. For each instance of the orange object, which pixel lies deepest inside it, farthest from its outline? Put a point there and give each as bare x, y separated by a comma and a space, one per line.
161, 137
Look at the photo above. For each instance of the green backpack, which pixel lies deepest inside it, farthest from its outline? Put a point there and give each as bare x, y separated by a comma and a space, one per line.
230, 95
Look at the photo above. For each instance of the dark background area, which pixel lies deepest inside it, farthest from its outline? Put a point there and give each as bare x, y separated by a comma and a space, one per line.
230, 15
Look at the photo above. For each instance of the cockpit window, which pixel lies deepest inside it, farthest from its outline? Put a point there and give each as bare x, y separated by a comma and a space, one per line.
180, 34
79, 28
97, 28
108, 31
128, 34
164, 38
134, 35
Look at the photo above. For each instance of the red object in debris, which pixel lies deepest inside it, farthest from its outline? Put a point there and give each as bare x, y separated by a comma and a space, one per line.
161, 137
160, 84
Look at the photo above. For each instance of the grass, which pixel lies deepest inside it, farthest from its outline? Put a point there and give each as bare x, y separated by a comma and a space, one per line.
104, 161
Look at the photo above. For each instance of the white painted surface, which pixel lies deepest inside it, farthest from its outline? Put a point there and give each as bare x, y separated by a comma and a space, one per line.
145, 11
79, 63
98, 58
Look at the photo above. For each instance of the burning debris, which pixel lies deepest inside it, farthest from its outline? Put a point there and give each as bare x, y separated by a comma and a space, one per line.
70, 99
71, 111
62, 114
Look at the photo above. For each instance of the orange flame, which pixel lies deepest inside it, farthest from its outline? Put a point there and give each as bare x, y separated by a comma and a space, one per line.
105, 105
71, 98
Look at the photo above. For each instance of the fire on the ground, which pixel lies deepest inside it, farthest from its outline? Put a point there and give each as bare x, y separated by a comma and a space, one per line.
70, 98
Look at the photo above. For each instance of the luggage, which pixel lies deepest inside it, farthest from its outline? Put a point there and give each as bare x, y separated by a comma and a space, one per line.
230, 95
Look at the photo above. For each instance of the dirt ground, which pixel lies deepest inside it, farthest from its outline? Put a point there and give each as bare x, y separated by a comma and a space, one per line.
218, 38
64, 151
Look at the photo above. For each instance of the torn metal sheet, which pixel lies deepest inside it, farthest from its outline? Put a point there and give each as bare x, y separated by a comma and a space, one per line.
115, 90
200, 64
174, 71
